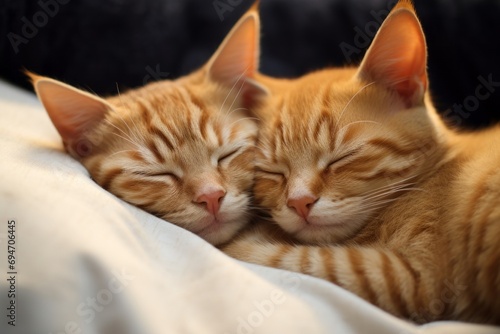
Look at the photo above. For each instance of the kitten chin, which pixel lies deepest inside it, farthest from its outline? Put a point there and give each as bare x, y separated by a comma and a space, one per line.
332, 232
218, 233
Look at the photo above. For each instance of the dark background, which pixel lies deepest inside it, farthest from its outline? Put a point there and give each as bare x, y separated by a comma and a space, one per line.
99, 44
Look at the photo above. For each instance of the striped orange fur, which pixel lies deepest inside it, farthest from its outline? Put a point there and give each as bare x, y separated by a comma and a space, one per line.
182, 149
379, 195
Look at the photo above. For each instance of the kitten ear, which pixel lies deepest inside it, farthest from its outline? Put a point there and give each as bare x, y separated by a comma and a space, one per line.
237, 59
72, 111
397, 57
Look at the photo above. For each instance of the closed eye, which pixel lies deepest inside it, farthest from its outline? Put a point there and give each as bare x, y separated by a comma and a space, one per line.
275, 174
343, 157
227, 156
159, 174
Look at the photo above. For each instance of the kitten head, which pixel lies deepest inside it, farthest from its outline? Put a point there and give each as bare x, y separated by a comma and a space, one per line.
183, 149
339, 145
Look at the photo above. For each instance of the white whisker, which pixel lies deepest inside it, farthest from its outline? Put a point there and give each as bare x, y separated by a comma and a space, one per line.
121, 152
121, 130
234, 85
374, 204
234, 100
242, 119
131, 133
394, 185
345, 126
133, 143
352, 99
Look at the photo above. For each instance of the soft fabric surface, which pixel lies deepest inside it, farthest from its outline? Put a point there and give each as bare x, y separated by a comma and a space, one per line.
87, 261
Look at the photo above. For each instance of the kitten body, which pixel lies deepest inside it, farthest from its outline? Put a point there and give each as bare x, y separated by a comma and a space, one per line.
374, 192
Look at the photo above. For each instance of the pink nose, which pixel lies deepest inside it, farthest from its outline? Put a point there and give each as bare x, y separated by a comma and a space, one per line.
212, 200
302, 205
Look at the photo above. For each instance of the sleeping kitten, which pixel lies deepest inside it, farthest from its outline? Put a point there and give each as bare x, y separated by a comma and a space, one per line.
182, 150
388, 202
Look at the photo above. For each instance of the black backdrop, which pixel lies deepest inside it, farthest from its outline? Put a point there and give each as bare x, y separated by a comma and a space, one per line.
97, 44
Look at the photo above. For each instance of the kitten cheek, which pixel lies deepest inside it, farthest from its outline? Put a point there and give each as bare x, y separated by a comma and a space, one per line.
239, 174
267, 192
242, 162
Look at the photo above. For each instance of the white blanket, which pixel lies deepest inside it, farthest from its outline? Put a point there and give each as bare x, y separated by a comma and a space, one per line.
86, 262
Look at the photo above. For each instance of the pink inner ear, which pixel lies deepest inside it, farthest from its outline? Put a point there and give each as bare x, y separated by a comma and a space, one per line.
398, 57
237, 59
238, 55
73, 112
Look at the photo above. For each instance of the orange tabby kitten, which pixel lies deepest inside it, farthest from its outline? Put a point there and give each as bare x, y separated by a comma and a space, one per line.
182, 150
388, 202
